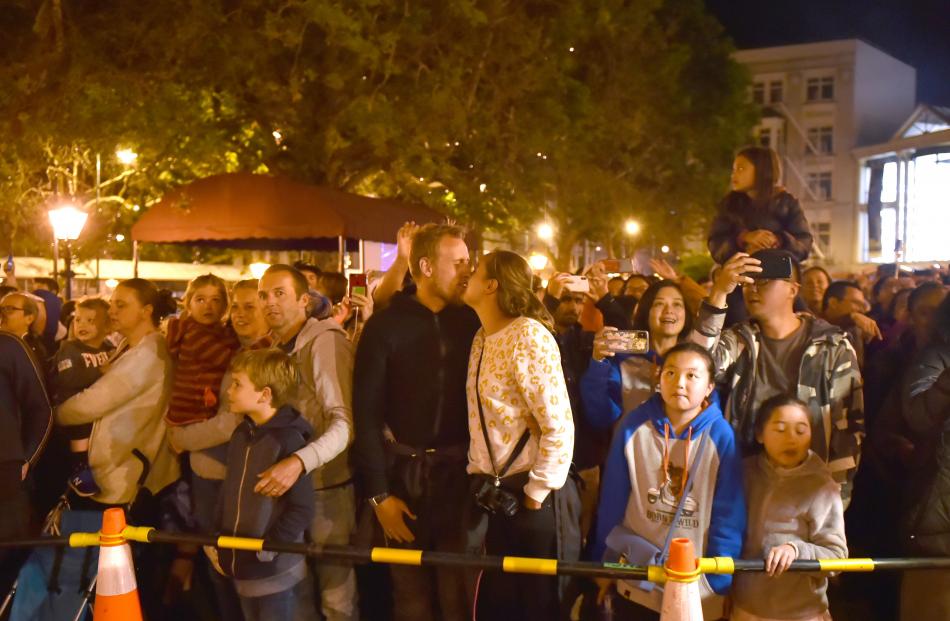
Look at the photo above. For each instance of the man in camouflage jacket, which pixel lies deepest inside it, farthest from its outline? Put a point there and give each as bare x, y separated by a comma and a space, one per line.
828, 377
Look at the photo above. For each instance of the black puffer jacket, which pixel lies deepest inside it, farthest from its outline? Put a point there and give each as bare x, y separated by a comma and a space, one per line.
926, 407
738, 213
245, 513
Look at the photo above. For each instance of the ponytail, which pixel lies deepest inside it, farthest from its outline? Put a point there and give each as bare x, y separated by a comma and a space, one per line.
516, 297
162, 301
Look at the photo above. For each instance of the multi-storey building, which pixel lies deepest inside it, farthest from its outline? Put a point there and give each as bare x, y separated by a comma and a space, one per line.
820, 101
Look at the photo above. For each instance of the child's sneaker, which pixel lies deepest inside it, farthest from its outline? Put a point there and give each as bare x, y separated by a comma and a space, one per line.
83, 483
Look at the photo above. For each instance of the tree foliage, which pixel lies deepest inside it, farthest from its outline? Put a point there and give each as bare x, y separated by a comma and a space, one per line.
497, 112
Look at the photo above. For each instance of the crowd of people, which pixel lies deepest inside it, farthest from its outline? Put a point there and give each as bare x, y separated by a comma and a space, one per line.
774, 412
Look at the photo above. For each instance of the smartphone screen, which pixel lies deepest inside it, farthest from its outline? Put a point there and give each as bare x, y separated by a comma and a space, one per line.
628, 341
623, 266
358, 284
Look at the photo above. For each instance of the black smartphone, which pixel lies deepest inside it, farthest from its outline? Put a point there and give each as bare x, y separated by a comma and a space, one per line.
775, 267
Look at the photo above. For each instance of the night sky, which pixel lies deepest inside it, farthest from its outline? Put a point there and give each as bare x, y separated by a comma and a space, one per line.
916, 32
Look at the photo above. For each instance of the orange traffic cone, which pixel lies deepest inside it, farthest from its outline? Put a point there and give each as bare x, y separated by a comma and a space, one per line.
117, 598
681, 600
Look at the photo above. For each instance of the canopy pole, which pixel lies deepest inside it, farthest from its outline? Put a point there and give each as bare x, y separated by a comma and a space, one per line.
135, 259
341, 248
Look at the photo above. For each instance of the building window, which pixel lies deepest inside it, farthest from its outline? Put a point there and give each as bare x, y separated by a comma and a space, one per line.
758, 93
765, 137
822, 232
821, 138
775, 91
820, 185
889, 183
820, 89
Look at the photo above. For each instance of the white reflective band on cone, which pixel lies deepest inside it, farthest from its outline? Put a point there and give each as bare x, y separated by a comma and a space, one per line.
681, 602
116, 571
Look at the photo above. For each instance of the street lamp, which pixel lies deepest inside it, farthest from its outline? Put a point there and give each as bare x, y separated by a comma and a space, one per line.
67, 222
545, 232
631, 227
126, 156
537, 261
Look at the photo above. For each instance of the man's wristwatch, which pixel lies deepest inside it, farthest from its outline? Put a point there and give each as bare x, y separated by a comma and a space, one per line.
379, 498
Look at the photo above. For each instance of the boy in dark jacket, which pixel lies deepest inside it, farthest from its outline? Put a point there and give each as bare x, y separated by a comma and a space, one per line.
261, 382
78, 364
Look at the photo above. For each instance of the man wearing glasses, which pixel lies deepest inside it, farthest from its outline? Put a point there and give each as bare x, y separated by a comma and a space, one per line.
18, 311
25, 423
779, 351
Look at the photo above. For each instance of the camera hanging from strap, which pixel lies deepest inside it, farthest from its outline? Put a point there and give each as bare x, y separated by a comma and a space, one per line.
522, 441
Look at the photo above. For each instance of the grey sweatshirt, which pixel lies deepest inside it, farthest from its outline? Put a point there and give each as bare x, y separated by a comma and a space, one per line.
801, 506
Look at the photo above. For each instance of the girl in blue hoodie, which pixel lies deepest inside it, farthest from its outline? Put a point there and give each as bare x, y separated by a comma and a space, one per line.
652, 454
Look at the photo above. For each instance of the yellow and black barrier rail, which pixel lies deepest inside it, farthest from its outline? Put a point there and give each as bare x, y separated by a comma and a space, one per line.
506, 564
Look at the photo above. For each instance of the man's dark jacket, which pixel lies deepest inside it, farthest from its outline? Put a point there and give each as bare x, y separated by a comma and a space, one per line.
26, 416
410, 374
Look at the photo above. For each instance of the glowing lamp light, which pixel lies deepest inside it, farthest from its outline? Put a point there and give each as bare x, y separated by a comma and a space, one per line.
545, 231
632, 227
537, 261
126, 156
664, 249
112, 283
67, 222
258, 269
482, 187
120, 237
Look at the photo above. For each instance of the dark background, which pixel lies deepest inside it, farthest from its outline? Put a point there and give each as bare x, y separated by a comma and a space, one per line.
916, 32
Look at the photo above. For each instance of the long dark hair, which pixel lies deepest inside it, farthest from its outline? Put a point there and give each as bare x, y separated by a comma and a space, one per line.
515, 296
641, 319
768, 171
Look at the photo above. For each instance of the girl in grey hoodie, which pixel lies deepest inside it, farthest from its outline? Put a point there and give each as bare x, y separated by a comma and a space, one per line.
795, 512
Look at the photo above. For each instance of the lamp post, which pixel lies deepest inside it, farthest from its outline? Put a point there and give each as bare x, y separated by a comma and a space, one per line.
632, 228
67, 222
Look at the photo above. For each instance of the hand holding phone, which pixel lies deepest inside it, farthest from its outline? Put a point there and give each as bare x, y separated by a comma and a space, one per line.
576, 284
358, 284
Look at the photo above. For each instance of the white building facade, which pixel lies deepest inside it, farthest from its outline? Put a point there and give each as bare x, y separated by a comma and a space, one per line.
820, 102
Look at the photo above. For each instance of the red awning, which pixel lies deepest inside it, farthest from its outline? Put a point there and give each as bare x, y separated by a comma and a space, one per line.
244, 210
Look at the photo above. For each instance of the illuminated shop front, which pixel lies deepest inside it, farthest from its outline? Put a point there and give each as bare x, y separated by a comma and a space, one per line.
905, 191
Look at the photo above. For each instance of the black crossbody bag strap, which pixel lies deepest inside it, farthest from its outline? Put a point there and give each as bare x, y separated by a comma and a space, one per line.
522, 441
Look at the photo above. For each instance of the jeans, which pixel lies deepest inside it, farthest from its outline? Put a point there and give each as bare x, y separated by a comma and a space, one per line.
334, 523
274, 607
205, 494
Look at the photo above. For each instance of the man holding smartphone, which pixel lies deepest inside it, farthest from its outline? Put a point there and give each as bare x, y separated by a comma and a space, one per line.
411, 420
779, 351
